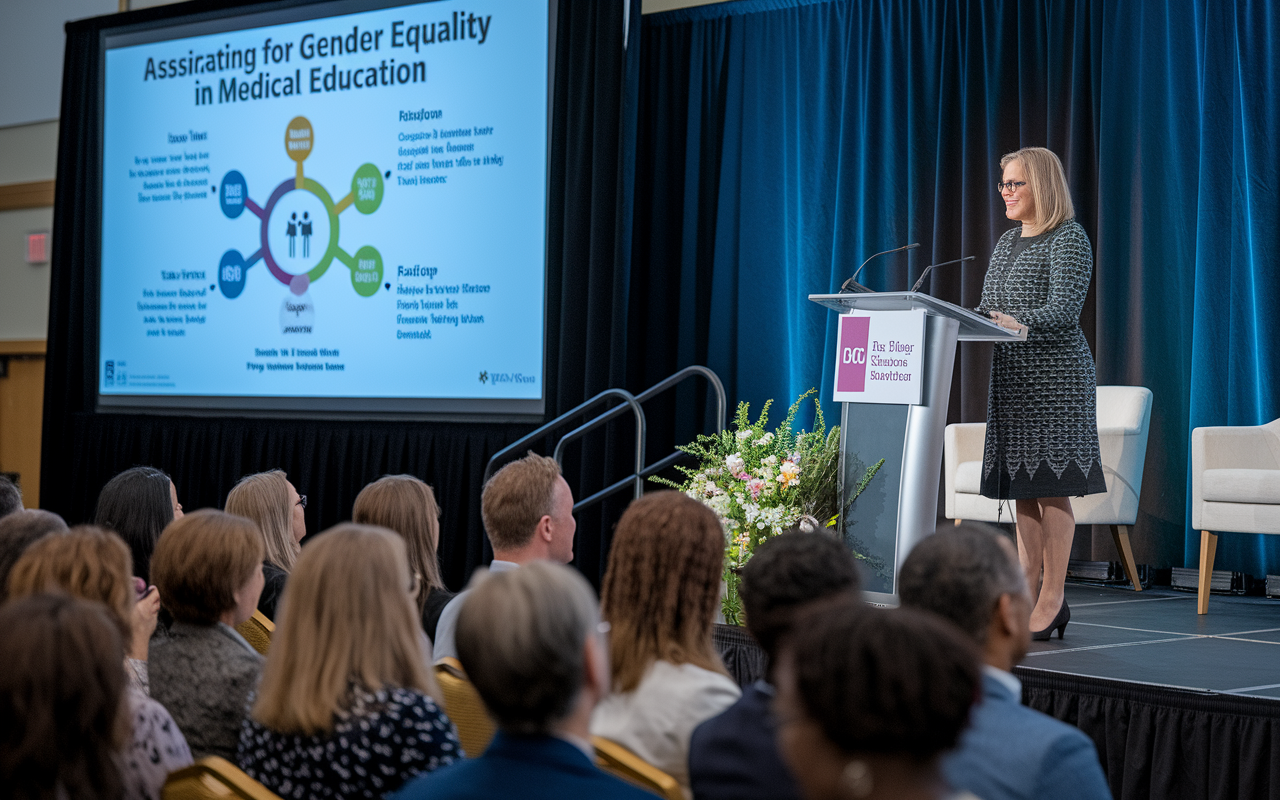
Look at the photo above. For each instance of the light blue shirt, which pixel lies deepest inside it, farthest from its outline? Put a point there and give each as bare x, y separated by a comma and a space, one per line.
444, 645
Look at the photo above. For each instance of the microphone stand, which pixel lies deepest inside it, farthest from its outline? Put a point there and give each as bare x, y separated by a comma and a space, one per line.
852, 284
929, 269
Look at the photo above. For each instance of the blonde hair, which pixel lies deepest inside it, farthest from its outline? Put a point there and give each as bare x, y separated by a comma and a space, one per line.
202, 560
88, 562
1048, 184
406, 505
516, 498
264, 498
346, 617
662, 586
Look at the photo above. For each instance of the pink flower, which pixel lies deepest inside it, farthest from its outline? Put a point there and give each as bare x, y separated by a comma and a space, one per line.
755, 486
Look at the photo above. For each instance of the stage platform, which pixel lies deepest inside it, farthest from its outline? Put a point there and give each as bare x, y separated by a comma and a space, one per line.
1156, 637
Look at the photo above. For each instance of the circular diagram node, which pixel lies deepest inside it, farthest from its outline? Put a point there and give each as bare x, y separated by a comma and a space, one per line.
298, 235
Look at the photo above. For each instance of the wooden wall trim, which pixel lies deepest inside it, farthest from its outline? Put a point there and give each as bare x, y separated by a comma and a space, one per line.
15, 196
22, 347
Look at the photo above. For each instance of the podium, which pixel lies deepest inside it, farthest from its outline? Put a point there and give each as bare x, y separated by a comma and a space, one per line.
899, 506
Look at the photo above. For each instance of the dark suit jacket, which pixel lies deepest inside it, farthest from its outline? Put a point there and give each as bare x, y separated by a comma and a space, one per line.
1010, 752
273, 579
528, 767
734, 756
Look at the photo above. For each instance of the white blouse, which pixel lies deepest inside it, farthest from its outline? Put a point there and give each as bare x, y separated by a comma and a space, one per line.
656, 719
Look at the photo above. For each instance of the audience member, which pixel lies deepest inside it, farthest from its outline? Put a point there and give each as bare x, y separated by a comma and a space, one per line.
531, 642
270, 500
138, 504
527, 509
208, 568
870, 698
661, 594
93, 563
971, 576
10, 497
346, 707
735, 755
69, 727
20, 530
406, 505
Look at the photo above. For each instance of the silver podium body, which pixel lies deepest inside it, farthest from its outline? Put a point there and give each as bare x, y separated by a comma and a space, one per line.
899, 507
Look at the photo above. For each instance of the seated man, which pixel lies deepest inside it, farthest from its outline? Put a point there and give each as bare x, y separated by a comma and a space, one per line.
532, 643
734, 755
527, 510
971, 576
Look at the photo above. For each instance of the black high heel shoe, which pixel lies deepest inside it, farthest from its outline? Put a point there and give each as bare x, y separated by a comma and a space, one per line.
1059, 624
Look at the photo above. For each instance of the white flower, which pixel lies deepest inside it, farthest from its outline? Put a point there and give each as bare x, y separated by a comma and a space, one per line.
734, 464
744, 435
770, 460
768, 437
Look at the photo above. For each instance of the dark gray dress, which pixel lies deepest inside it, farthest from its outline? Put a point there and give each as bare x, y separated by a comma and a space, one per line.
1042, 425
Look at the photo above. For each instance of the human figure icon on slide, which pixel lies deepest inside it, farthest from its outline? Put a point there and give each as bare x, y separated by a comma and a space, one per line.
306, 234
291, 230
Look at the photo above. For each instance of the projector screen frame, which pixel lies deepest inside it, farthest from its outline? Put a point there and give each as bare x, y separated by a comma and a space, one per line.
164, 23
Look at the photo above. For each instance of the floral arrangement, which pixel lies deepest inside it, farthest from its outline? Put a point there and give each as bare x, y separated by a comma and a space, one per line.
760, 483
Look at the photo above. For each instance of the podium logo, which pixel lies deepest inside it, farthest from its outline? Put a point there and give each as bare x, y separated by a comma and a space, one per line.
851, 368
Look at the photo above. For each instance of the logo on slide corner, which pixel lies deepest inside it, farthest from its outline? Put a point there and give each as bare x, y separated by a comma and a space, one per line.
484, 376
851, 368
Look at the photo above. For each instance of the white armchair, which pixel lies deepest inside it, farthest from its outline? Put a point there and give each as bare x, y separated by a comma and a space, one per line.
1124, 420
1235, 486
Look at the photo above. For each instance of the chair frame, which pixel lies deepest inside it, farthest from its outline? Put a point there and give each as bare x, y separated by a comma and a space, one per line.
622, 763
221, 779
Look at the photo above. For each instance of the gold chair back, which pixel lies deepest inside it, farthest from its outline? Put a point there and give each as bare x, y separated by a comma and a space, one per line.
618, 760
257, 631
213, 778
463, 705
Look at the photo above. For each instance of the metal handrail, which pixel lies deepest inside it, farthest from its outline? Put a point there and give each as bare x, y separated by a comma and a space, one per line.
631, 403
622, 394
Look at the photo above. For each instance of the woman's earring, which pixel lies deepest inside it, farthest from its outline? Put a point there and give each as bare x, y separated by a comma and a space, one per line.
856, 778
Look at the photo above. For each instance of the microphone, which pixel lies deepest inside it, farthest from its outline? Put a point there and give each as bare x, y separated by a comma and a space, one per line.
852, 285
929, 268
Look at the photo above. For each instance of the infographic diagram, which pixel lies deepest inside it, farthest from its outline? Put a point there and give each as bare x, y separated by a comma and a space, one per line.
299, 230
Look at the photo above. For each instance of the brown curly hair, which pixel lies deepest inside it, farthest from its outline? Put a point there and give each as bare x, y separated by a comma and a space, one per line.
87, 561
662, 586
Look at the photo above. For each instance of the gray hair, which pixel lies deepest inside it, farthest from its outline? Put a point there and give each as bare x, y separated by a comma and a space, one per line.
521, 637
960, 575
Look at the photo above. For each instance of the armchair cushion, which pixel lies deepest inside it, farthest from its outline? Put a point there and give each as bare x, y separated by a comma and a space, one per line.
1241, 485
969, 477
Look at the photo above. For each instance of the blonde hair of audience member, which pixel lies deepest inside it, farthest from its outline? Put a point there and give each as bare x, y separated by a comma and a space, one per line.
208, 567
1047, 182
662, 586
528, 504
348, 614
271, 501
92, 563
528, 641
407, 506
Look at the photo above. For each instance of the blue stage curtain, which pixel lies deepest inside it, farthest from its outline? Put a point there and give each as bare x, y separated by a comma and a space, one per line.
782, 141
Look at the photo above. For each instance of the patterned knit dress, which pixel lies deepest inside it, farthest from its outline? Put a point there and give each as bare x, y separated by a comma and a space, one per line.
1042, 426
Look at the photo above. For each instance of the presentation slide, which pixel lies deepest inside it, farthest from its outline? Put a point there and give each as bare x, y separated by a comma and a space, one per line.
351, 205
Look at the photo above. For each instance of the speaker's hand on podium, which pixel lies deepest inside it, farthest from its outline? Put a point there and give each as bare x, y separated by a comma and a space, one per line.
1006, 321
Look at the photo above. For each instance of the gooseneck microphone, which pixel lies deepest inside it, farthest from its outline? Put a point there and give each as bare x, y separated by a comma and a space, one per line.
852, 284
929, 268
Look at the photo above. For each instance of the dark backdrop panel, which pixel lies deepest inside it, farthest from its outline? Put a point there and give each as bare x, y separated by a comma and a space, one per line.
330, 460
783, 141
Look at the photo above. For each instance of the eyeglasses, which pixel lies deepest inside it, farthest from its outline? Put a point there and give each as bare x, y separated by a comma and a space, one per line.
1011, 186
302, 500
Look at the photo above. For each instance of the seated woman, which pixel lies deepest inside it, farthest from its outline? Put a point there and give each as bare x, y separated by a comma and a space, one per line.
138, 504
269, 499
94, 563
208, 568
63, 692
406, 505
869, 699
346, 707
660, 596
20, 530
